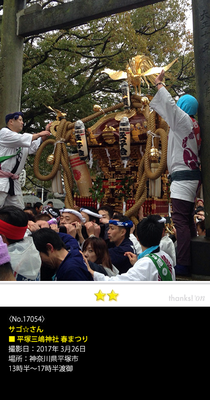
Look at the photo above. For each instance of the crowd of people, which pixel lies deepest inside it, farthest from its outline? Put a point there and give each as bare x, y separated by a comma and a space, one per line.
43, 243
87, 244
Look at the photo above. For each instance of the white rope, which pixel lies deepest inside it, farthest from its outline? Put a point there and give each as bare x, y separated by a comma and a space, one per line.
152, 134
90, 163
108, 155
58, 141
162, 220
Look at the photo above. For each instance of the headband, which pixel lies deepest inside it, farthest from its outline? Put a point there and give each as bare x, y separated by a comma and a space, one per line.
76, 213
49, 210
11, 231
162, 220
52, 221
4, 255
122, 224
93, 214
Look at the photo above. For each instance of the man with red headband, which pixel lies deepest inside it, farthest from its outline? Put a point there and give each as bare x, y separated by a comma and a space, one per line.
14, 148
25, 259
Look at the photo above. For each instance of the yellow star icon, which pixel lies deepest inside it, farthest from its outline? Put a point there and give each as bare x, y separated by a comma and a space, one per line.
113, 295
100, 295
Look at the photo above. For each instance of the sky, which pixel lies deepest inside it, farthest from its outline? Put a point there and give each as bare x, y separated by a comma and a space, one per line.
190, 20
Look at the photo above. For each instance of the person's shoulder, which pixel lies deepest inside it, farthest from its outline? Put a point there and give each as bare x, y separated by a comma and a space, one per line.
145, 269
143, 262
72, 268
98, 268
68, 240
4, 130
127, 243
165, 257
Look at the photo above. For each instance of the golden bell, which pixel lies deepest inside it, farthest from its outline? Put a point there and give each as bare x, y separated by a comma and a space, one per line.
135, 135
153, 154
108, 134
51, 159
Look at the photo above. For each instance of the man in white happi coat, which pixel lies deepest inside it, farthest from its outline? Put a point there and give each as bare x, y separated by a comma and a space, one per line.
183, 165
14, 148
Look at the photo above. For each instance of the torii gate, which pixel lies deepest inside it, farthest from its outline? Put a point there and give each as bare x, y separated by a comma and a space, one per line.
18, 23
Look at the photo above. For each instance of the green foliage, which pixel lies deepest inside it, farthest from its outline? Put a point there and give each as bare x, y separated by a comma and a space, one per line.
125, 191
63, 68
96, 191
164, 27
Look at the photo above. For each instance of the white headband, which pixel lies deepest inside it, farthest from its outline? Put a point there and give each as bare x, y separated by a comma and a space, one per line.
86, 211
76, 213
162, 220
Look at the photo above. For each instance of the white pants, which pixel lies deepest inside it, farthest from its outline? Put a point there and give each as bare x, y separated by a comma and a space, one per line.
7, 200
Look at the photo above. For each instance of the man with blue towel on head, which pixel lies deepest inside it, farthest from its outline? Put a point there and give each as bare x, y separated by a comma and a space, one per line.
183, 165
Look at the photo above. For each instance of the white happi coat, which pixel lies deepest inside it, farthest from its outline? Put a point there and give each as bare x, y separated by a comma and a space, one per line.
25, 260
182, 145
10, 142
143, 270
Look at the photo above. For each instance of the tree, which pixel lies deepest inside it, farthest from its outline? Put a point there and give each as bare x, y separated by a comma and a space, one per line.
167, 38
63, 68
